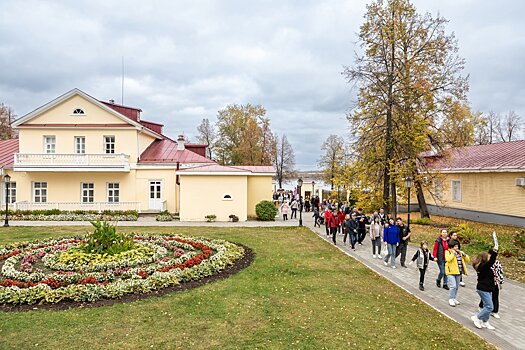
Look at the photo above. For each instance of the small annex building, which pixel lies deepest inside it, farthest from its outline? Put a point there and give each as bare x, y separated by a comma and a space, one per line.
482, 183
79, 153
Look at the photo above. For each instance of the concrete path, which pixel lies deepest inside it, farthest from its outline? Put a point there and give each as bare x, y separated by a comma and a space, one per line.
510, 329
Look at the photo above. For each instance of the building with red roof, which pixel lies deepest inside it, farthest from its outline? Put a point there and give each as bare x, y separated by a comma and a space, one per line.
482, 183
77, 152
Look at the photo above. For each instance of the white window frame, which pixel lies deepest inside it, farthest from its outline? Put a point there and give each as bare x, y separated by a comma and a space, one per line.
80, 146
50, 147
113, 192
109, 145
85, 188
438, 188
11, 194
39, 192
456, 190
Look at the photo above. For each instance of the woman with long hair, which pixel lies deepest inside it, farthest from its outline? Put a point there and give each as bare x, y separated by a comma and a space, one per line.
483, 264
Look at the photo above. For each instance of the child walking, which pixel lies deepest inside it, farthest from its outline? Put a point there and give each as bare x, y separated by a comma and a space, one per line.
423, 256
316, 217
455, 266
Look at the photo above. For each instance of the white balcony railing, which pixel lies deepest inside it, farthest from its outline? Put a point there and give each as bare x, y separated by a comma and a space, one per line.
63, 160
71, 206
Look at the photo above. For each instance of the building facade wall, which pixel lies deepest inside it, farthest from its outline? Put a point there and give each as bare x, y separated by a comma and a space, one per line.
168, 185
259, 188
201, 195
494, 193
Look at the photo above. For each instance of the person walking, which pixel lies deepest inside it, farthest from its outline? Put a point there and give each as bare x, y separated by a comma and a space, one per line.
483, 264
327, 216
363, 221
422, 256
404, 238
382, 215
455, 266
293, 206
391, 238
340, 220
284, 210
316, 217
497, 270
351, 229
440, 247
375, 230
334, 224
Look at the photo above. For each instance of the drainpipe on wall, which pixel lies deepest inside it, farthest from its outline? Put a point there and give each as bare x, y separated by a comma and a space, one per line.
177, 181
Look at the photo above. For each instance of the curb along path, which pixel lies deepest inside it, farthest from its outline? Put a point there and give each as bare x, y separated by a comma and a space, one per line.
510, 329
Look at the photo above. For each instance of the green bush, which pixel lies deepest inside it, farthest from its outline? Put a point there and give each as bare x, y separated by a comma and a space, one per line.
164, 216
266, 211
106, 240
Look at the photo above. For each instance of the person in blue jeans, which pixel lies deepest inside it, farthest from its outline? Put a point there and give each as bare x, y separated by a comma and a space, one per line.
483, 266
440, 247
391, 238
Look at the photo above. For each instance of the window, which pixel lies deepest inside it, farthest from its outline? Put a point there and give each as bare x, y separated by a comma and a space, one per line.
109, 144
78, 111
456, 190
10, 192
227, 197
80, 144
49, 144
113, 192
40, 192
88, 192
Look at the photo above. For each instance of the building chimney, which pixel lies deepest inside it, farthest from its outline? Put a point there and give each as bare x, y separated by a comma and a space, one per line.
180, 143
112, 101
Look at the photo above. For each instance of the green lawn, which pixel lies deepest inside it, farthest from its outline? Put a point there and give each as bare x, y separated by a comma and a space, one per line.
299, 293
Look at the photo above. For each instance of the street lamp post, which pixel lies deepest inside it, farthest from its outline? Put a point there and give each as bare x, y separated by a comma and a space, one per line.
408, 185
299, 185
7, 180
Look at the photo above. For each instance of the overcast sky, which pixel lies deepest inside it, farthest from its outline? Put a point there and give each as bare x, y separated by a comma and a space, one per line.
185, 60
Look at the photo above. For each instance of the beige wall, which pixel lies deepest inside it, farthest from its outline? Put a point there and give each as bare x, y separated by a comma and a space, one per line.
32, 140
63, 113
259, 188
486, 192
169, 188
201, 195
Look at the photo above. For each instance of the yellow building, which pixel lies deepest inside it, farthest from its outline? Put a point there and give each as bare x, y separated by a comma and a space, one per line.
79, 153
482, 183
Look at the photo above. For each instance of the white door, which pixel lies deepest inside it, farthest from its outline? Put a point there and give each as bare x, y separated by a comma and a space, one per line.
155, 195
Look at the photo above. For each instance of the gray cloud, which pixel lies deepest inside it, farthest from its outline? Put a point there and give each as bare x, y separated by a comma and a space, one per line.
185, 61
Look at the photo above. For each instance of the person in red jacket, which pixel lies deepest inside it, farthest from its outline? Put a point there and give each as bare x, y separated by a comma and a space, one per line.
327, 216
440, 247
333, 223
340, 219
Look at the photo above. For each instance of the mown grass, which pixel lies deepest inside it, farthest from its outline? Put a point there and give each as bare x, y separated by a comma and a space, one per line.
479, 239
299, 293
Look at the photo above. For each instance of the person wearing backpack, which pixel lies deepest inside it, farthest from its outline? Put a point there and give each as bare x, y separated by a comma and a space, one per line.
423, 256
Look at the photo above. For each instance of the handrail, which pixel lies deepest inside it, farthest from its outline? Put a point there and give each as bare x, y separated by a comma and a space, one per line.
71, 159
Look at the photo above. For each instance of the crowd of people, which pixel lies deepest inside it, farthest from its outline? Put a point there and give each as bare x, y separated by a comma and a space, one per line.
383, 230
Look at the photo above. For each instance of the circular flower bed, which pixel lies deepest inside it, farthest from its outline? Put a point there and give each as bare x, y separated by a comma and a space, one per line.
51, 271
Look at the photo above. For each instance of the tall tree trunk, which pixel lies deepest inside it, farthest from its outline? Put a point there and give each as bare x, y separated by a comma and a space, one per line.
423, 209
394, 200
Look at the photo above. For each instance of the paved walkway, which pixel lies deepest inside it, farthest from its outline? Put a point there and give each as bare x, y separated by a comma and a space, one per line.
510, 329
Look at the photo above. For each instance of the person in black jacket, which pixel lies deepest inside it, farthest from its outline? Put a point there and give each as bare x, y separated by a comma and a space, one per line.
350, 227
483, 266
404, 238
362, 222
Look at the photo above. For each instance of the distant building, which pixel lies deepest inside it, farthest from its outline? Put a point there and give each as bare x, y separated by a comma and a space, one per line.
482, 183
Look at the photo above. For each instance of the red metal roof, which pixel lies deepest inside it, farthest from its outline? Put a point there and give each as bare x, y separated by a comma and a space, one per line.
7, 150
130, 112
497, 156
152, 126
230, 168
165, 151
196, 148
